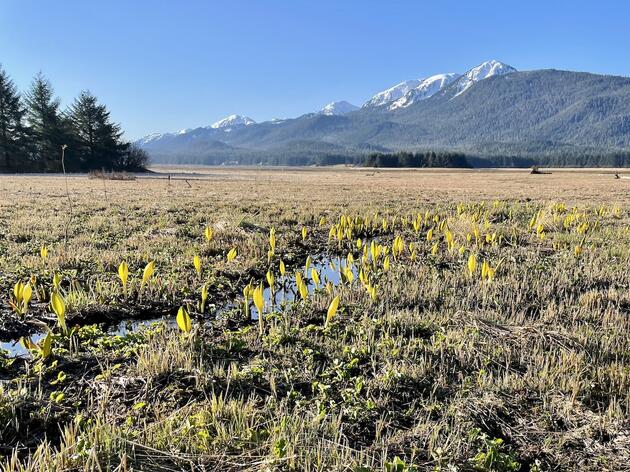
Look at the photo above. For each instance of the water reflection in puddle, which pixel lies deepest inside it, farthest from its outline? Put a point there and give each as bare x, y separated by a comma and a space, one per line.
328, 269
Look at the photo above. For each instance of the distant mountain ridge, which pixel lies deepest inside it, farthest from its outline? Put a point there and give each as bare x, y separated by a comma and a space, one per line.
492, 109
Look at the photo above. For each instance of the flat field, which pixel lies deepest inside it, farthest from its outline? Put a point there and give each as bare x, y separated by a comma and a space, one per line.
411, 321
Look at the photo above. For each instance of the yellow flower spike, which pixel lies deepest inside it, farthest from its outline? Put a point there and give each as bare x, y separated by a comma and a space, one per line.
272, 239
208, 233
283, 269
231, 255
27, 293
472, 264
462, 250
413, 255
148, 272
197, 264
348, 274
332, 310
270, 279
45, 348
350, 258
56, 281
308, 262
43, 252
59, 307
434, 249
484, 269
303, 289
386, 264
18, 289
359, 243
329, 288
322, 221
183, 320
204, 297
259, 300
123, 275
430, 235
315, 277
304, 232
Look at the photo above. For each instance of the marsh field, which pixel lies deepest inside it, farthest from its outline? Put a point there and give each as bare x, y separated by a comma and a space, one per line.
316, 319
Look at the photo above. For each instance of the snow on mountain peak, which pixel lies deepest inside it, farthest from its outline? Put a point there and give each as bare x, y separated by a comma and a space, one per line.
482, 71
233, 120
427, 87
338, 108
392, 93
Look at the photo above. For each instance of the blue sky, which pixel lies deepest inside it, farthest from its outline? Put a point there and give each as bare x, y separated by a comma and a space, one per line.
166, 65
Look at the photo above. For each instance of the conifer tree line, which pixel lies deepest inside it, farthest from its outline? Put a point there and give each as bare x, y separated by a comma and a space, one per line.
33, 129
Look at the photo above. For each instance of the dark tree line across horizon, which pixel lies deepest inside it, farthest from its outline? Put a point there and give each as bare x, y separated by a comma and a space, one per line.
34, 128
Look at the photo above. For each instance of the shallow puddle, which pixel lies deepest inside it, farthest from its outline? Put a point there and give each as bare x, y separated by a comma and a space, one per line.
284, 293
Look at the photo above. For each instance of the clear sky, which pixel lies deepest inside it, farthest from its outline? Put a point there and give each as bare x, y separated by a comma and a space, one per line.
166, 65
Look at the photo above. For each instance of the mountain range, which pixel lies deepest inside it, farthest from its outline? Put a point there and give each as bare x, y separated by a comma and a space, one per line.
490, 110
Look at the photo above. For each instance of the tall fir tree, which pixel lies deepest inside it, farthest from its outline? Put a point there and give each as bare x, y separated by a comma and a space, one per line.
13, 132
49, 128
97, 139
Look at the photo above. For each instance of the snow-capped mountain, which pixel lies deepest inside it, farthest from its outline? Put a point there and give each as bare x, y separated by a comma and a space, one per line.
392, 93
338, 108
482, 71
425, 89
233, 120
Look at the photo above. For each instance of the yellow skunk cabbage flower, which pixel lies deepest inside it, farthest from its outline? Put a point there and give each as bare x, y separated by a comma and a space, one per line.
59, 307
208, 233
56, 281
359, 243
22, 295
434, 248
272, 239
183, 320
329, 288
303, 289
348, 274
43, 252
308, 262
430, 235
231, 255
332, 310
371, 290
472, 264
123, 274
197, 264
270, 279
283, 269
259, 300
304, 231
147, 273
315, 277
484, 269
386, 264
322, 221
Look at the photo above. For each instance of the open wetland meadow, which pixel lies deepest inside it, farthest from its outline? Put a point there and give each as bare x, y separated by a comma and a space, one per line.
315, 320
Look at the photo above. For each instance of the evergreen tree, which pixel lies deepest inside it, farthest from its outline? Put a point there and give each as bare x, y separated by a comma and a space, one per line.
13, 132
49, 129
97, 139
